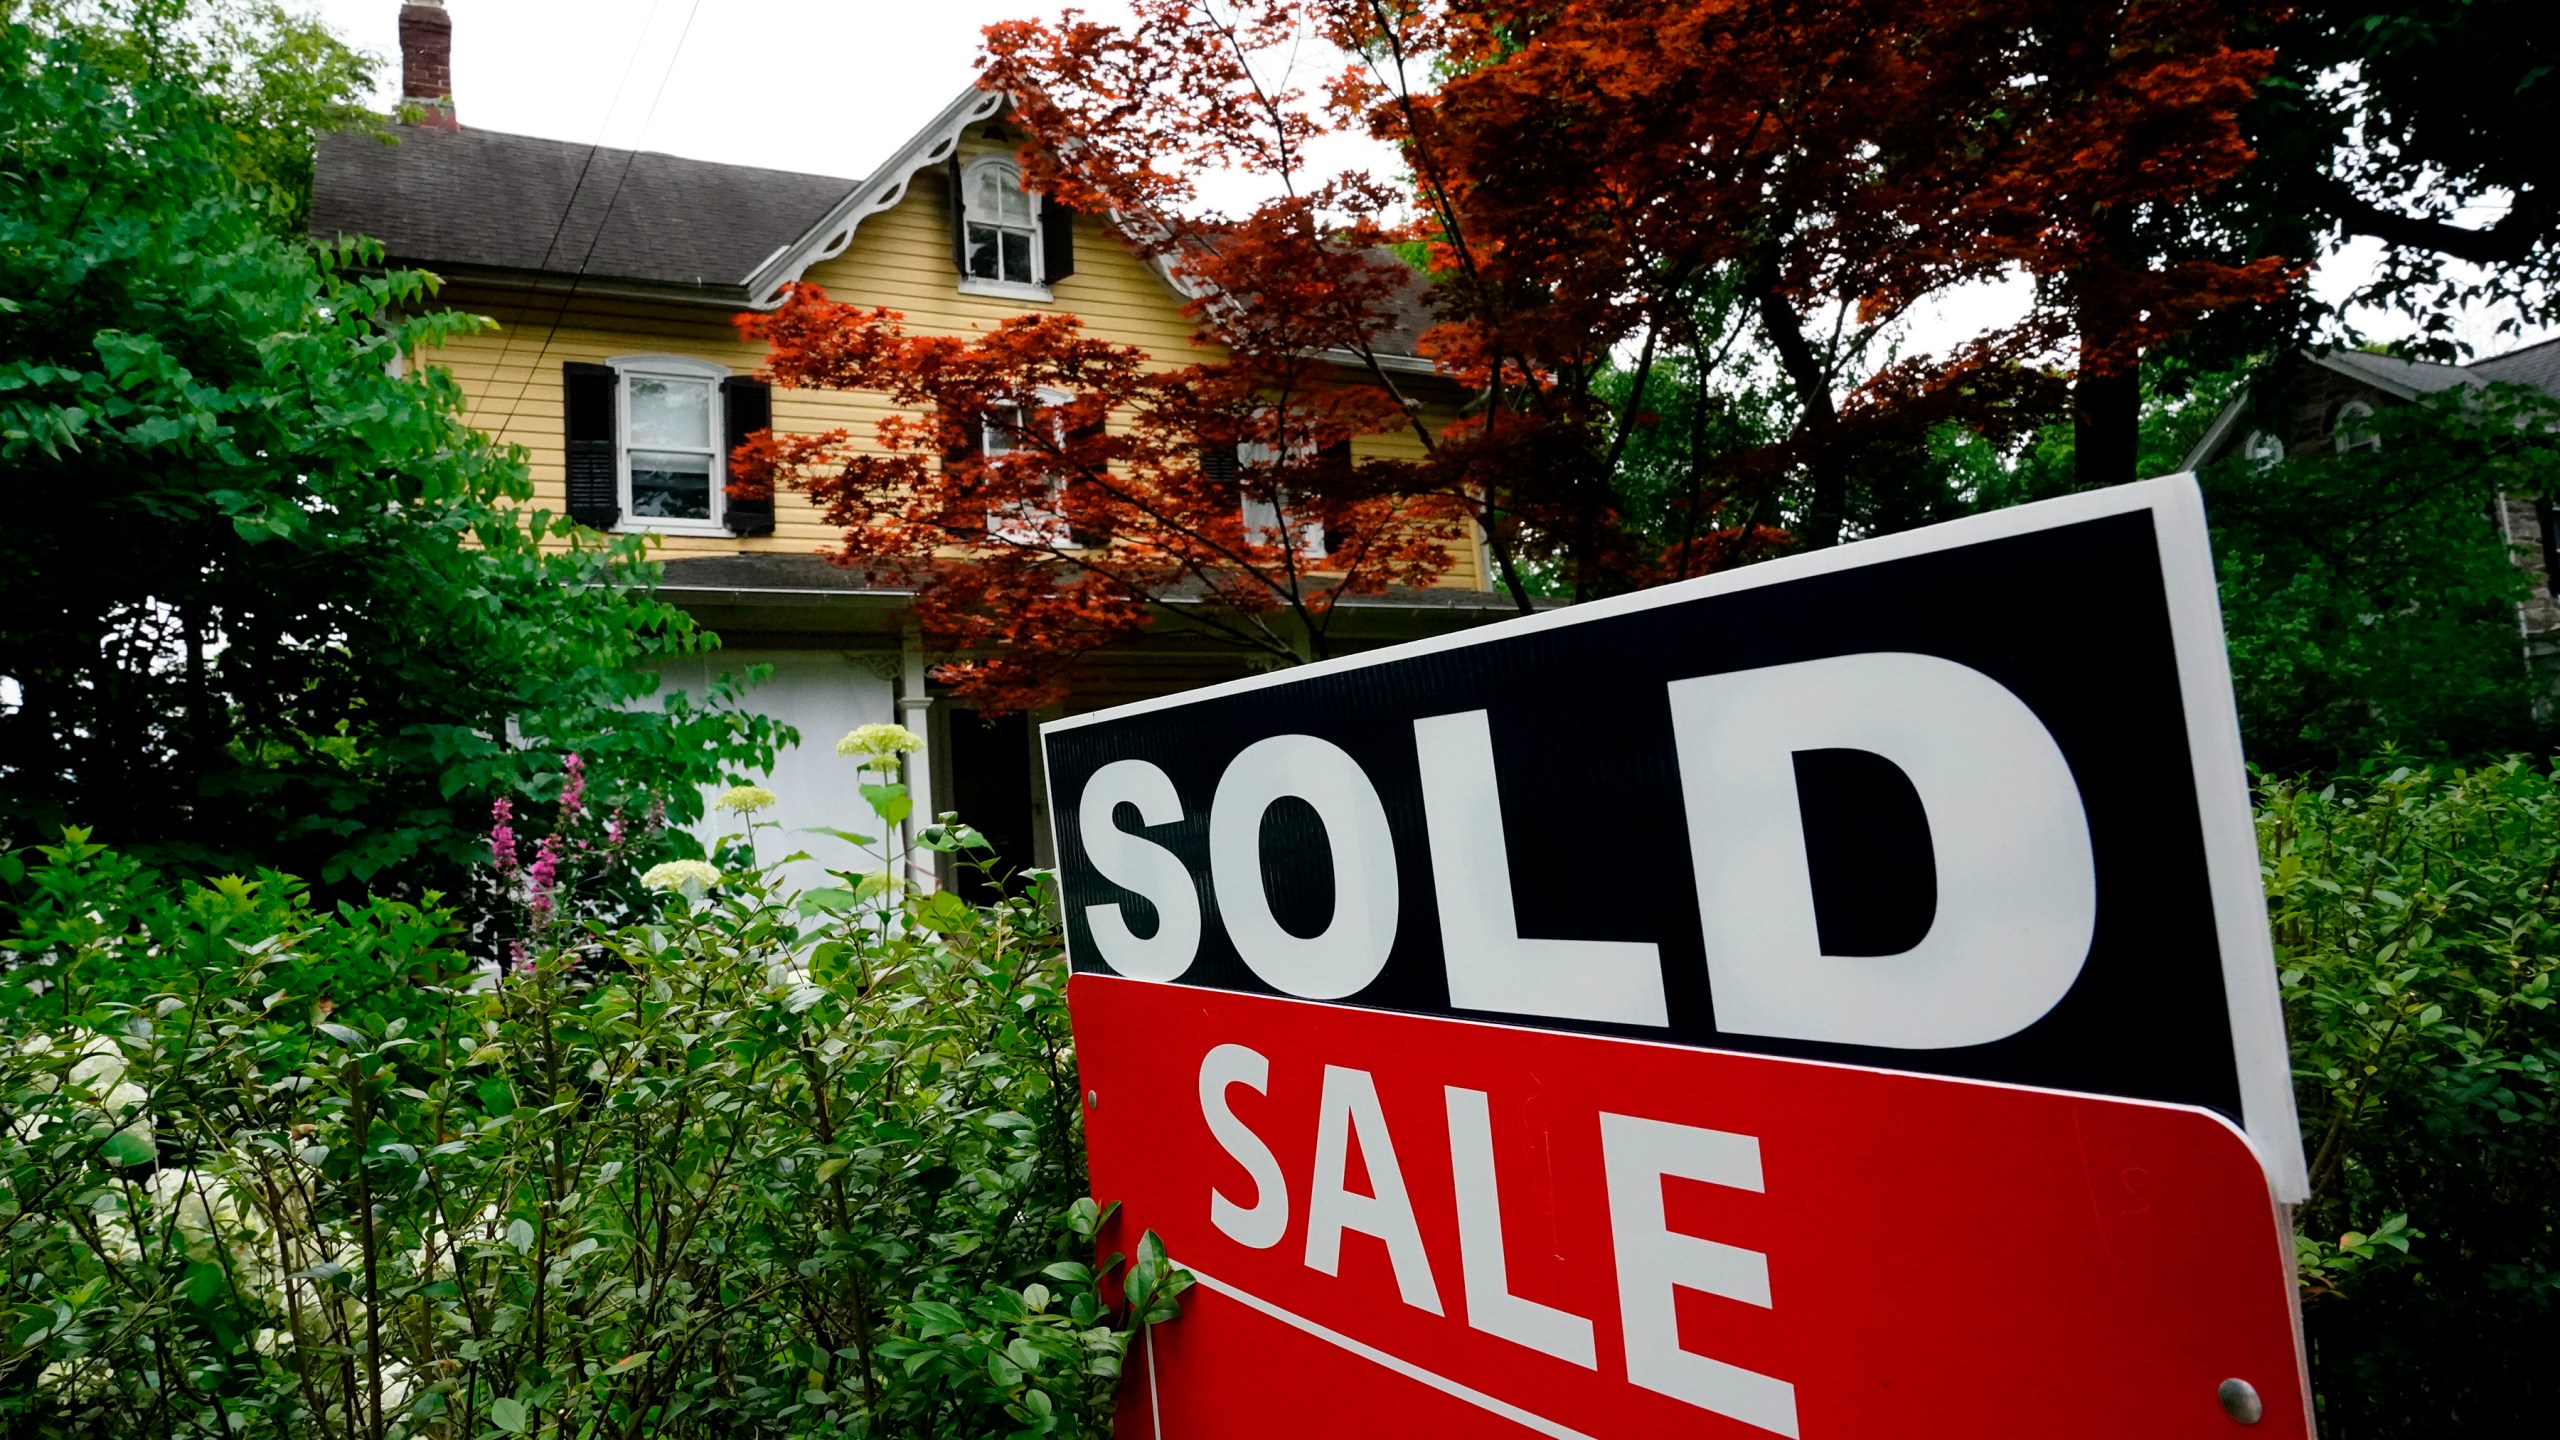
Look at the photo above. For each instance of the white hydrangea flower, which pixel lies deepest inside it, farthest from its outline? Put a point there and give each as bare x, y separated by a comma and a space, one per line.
116, 1242
691, 876
879, 743
84, 1379
101, 1066
746, 799
205, 1209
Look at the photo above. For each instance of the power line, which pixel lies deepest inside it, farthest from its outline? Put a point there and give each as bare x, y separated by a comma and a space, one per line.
631, 158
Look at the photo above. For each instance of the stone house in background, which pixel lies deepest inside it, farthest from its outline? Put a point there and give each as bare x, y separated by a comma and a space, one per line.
613, 276
2333, 389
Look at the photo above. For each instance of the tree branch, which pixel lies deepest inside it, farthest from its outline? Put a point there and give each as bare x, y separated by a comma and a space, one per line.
2527, 225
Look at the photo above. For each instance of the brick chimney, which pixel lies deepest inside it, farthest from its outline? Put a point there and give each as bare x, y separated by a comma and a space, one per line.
426, 64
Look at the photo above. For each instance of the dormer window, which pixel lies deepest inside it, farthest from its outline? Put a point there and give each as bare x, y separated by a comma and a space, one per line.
1006, 240
1004, 224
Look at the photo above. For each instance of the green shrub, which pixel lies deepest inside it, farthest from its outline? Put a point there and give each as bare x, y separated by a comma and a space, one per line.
280, 605
755, 1165
2417, 924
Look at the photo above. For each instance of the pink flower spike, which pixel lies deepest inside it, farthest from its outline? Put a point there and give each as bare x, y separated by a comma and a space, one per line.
502, 836
573, 791
545, 875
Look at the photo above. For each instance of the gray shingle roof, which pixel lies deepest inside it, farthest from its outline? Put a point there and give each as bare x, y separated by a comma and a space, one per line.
2534, 365
479, 200
1413, 315
2404, 377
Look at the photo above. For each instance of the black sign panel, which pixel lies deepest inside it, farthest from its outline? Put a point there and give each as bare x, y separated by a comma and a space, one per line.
1965, 802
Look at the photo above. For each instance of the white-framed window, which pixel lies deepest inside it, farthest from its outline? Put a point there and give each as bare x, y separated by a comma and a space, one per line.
1000, 232
1003, 429
2262, 448
673, 464
2353, 428
1264, 516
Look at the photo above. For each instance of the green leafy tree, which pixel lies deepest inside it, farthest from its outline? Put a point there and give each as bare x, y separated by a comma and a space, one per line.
2398, 123
2369, 597
274, 79
268, 599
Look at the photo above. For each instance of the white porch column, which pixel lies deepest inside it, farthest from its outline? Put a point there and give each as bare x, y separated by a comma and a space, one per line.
915, 711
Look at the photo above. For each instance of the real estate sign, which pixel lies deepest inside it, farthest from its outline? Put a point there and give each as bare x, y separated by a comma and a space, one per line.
1827, 999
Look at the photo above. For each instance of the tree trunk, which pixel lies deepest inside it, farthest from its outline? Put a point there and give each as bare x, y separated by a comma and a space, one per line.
2106, 396
2106, 427
1828, 462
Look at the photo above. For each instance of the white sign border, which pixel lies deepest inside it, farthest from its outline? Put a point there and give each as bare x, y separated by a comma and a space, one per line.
2176, 506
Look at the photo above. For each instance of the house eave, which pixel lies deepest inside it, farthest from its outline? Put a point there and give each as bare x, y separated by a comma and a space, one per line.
544, 282
1392, 364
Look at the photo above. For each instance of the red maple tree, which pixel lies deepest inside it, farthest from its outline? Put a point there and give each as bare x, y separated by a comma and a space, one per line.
1579, 178
1053, 493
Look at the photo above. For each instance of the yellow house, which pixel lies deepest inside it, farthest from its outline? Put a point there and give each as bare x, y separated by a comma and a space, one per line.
613, 276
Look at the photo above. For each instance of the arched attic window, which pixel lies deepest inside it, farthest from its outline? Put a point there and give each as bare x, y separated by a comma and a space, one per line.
1007, 240
2352, 428
2262, 449
1003, 238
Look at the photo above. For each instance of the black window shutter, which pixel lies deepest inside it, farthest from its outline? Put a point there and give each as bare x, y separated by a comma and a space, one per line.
1218, 463
749, 406
589, 395
1083, 538
971, 441
959, 218
1335, 459
1057, 240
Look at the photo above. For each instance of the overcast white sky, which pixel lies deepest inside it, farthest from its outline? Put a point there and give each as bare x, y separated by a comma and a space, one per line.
831, 87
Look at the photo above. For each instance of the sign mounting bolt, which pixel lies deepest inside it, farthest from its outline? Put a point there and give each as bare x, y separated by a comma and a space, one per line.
2240, 1401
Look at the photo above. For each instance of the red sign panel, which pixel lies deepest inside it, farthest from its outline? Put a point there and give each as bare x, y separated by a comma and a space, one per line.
1409, 1225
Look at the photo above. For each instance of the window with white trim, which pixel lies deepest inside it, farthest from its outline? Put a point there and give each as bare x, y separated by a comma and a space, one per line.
1001, 224
2353, 428
2262, 448
1264, 515
674, 468
1004, 429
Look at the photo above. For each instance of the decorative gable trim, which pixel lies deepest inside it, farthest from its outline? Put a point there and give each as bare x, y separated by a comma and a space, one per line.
827, 239
934, 145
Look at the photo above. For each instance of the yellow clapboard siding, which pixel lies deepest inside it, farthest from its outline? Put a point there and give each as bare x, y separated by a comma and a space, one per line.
510, 375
